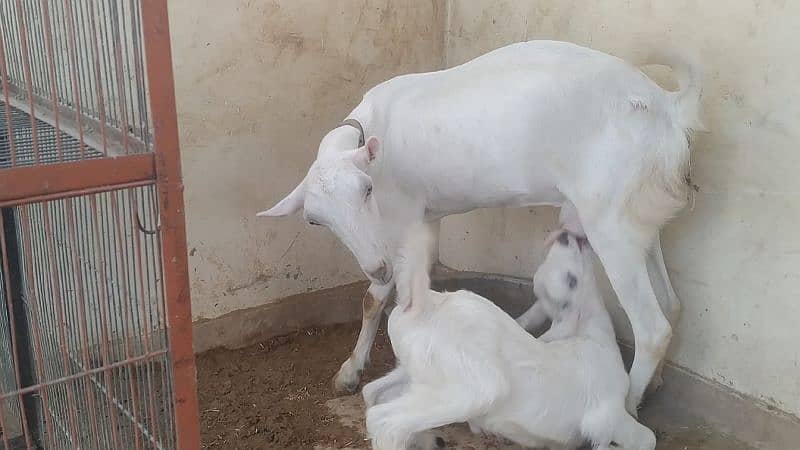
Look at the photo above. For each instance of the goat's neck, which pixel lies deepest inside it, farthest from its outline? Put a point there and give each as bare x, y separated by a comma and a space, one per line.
595, 321
339, 139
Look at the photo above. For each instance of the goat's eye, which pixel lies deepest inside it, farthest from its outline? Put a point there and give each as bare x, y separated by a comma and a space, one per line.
313, 222
368, 192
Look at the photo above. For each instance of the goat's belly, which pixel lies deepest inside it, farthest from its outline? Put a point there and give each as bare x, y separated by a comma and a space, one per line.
522, 433
446, 203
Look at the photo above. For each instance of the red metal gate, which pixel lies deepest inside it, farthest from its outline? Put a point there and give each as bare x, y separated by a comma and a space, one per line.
95, 314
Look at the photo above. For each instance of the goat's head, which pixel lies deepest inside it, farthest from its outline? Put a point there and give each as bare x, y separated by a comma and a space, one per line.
337, 193
566, 266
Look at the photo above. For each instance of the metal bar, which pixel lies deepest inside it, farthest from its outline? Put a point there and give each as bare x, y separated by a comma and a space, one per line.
173, 227
37, 335
98, 77
70, 127
73, 74
127, 414
51, 67
104, 318
19, 335
157, 310
125, 318
123, 110
36, 51
87, 98
109, 303
78, 193
161, 307
67, 283
85, 59
107, 63
137, 359
57, 10
35, 288
23, 183
4, 84
144, 313
82, 323
139, 60
92, 290
125, 52
59, 307
140, 334
26, 65
141, 99
4, 426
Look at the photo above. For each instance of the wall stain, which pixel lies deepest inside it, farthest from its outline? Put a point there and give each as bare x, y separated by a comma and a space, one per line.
262, 278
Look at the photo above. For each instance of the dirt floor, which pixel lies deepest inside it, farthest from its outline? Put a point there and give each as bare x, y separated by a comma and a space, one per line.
278, 395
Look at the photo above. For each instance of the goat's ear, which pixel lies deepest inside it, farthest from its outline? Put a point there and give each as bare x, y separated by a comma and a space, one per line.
363, 156
372, 148
289, 205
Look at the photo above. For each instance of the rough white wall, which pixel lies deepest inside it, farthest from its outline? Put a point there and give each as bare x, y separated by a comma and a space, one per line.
258, 84
734, 258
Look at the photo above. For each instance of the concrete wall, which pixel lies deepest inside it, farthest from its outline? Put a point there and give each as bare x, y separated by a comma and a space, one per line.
258, 84
734, 257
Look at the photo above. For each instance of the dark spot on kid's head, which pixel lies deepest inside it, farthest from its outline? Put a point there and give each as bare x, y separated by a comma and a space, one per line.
563, 238
572, 280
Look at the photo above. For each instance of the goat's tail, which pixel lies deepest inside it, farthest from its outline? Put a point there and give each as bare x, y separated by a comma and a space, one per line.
690, 78
412, 267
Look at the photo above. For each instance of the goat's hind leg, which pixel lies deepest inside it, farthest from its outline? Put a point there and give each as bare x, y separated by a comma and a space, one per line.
667, 298
629, 434
613, 424
349, 375
400, 423
621, 250
388, 387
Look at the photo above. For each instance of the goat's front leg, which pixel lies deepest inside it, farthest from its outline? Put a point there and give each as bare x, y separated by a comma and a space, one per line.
566, 326
349, 375
534, 317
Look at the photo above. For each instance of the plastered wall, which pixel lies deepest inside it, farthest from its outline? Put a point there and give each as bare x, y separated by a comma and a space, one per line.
258, 84
735, 256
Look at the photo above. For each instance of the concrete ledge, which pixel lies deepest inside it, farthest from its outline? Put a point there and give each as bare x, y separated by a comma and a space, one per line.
245, 327
746, 419
684, 393
341, 304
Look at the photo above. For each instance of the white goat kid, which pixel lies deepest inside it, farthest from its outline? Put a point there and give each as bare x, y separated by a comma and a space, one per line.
534, 123
462, 359
564, 316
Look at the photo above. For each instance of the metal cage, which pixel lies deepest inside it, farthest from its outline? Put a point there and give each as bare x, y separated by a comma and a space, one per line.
95, 322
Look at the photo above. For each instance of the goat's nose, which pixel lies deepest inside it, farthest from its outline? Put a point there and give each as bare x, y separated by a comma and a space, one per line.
381, 273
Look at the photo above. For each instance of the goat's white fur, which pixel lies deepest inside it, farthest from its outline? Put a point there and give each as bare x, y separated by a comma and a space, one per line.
462, 359
534, 123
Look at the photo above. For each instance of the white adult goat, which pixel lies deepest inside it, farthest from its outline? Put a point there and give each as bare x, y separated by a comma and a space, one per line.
534, 123
460, 358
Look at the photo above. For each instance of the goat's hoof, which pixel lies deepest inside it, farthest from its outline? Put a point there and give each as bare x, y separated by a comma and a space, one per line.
347, 379
632, 406
655, 384
428, 440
